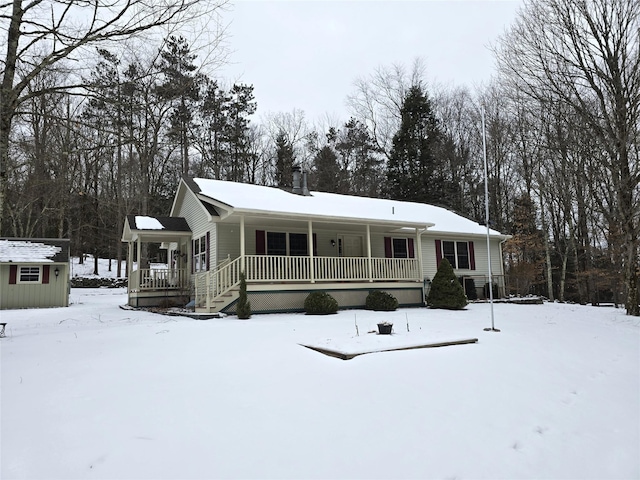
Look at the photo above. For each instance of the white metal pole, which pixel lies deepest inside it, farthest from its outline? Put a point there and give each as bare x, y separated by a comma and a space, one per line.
486, 215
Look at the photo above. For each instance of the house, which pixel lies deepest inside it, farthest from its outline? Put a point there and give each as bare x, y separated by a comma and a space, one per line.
34, 272
289, 243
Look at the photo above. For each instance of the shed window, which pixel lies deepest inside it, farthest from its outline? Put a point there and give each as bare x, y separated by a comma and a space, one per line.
29, 275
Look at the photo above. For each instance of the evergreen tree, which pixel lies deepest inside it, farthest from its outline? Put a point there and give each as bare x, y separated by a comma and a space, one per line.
243, 307
285, 158
241, 106
414, 171
181, 85
211, 139
446, 291
325, 170
359, 160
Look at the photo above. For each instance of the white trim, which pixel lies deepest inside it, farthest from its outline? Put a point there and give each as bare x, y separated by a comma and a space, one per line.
29, 282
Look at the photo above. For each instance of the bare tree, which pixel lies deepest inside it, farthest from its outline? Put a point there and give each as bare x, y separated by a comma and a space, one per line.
377, 100
587, 55
39, 35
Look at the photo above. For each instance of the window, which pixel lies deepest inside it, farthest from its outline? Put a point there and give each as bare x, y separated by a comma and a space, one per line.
276, 243
283, 243
462, 251
449, 252
459, 254
29, 275
200, 254
298, 245
400, 249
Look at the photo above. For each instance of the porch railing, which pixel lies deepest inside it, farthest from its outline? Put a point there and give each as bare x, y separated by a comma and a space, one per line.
279, 268
160, 279
266, 268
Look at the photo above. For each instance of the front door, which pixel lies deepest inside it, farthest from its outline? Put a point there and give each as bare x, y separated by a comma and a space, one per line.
350, 245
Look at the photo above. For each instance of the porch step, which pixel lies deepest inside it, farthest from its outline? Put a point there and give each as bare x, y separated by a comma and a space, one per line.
217, 304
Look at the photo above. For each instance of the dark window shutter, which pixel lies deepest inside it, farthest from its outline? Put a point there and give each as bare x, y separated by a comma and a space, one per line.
410, 248
472, 257
315, 245
388, 252
438, 252
208, 254
45, 273
13, 274
260, 242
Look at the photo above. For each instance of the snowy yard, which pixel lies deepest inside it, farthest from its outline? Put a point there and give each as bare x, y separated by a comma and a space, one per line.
93, 391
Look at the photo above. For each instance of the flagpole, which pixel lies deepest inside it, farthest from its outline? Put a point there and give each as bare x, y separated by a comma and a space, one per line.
486, 218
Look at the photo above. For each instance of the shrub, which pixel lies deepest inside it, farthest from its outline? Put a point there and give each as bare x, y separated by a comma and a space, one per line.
381, 301
446, 291
243, 308
320, 303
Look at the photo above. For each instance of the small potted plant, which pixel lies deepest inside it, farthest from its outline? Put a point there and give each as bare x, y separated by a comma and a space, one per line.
385, 328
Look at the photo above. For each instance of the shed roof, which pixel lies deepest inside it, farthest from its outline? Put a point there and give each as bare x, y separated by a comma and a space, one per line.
34, 250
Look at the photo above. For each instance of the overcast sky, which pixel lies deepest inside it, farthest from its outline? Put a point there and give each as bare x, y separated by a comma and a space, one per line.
306, 55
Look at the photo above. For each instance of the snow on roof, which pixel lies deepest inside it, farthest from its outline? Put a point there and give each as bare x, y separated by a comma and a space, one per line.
148, 223
257, 198
27, 251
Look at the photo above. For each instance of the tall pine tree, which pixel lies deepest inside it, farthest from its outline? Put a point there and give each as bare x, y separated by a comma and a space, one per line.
414, 170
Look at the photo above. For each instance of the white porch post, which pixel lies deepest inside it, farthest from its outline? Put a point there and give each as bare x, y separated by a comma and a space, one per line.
139, 254
242, 252
369, 253
310, 242
129, 264
419, 255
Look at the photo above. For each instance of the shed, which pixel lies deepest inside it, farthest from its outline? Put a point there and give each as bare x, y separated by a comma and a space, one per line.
34, 272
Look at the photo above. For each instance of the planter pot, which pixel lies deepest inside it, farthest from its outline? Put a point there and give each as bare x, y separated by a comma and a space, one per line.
385, 328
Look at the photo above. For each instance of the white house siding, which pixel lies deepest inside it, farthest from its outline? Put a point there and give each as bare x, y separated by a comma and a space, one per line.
480, 252
21, 295
228, 241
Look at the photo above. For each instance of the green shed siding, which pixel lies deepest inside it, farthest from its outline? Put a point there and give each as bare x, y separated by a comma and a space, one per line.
55, 293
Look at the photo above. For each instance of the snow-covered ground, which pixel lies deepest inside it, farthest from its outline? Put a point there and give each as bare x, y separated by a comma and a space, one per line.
94, 391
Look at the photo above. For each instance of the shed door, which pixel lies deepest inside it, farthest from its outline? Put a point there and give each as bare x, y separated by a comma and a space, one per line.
350, 245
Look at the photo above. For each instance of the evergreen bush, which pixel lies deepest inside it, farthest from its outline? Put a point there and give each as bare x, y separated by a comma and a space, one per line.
446, 291
243, 308
320, 303
381, 301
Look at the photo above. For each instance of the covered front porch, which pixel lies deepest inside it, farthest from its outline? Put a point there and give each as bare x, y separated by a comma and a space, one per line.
292, 256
